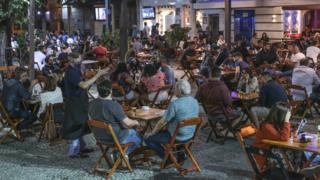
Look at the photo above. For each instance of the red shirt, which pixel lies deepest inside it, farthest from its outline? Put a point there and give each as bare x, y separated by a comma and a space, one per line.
100, 51
268, 131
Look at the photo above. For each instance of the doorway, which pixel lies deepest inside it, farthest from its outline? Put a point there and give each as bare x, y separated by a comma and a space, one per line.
214, 26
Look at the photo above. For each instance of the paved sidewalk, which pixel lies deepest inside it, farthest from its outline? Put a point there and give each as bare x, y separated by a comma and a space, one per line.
38, 161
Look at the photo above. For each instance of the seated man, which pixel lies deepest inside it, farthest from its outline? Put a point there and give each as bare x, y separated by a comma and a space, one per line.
100, 51
271, 92
183, 108
190, 54
111, 112
12, 96
266, 55
306, 77
50, 67
217, 92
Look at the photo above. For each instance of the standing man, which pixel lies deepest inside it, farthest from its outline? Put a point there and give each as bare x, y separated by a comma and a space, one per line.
76, 116
155, 30
146, 30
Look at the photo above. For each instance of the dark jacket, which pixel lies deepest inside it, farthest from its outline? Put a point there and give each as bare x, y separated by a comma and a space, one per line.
271, 93
268, 57
215, 93
13, 94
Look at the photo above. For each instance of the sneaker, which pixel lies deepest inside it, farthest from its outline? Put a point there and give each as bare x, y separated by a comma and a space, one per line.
308, 172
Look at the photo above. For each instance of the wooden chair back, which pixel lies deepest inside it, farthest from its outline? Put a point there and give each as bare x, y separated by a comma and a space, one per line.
166, 102
297, 105
189, 122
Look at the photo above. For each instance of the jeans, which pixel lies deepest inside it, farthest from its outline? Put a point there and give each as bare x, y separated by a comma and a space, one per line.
258, 114
154, 142
134, 138
27, 116
75, 146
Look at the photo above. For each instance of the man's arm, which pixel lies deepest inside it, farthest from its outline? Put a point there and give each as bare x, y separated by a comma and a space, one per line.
129, 123
88, 83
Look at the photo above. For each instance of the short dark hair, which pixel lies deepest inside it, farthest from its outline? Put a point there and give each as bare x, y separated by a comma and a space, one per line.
19, 71
304, 62
216, 72
104, 88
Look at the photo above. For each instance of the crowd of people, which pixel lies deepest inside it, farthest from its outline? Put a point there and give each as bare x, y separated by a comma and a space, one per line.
258, 67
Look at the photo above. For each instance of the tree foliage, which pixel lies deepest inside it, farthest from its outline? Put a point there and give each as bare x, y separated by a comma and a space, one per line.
15, 10
176, 34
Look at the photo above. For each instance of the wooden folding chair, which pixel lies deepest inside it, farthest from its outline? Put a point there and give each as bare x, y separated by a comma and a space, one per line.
175, 146
298, 105
12, 123
271, 173
225, 123
165, 103
49, 122
115, 146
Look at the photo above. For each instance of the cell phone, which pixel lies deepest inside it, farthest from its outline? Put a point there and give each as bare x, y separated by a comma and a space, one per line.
234, 94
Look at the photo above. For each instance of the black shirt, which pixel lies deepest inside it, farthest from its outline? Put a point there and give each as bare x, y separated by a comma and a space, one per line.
73, 77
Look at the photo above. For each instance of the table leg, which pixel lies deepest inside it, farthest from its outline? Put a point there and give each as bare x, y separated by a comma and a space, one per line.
286, 159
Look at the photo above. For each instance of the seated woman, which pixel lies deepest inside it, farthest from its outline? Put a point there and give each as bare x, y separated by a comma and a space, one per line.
248, 83
51, 95
122, 81
153, 80
275, 127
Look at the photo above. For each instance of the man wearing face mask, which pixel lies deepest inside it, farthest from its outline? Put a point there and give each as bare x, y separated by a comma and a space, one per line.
12, 96
266, 55
76, 106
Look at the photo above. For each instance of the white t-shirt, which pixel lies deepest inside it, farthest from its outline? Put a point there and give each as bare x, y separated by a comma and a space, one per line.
313, 53
39, 58
296, 58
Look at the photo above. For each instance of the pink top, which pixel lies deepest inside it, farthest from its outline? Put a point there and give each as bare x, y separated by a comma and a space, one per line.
155, 82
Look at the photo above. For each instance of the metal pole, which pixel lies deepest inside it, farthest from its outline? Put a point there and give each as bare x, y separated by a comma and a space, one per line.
113, 26
193, 20
227, 12
106, 4
31, 38
123, 30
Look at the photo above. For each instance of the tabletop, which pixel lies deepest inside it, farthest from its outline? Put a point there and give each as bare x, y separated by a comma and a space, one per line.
151, 114
144, 55
312, 146
89, 62
247, 96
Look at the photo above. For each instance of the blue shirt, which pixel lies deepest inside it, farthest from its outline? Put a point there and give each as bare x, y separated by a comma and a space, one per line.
271, 93
183, 108
167, 70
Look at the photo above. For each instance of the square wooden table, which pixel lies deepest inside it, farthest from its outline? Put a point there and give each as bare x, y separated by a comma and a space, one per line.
146, 116
294, 144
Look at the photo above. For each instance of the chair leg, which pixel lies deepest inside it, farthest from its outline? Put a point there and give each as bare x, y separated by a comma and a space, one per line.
41, 132
190, 154
5, 137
